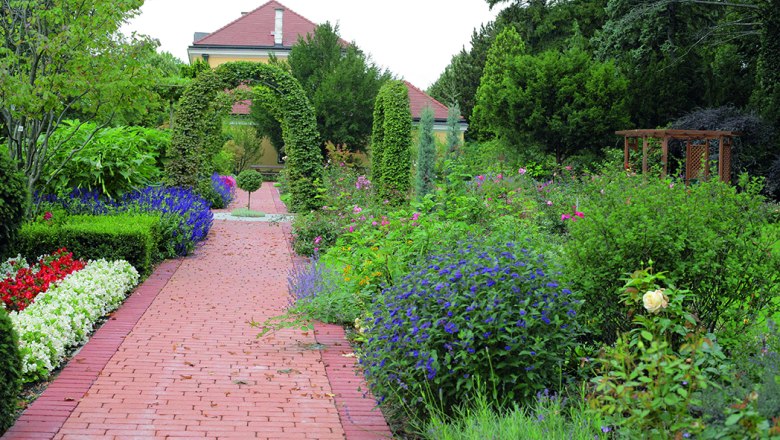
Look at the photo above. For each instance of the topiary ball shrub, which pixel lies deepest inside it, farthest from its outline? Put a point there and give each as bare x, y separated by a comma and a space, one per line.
10, 371
250, 181
13, 201
495, 316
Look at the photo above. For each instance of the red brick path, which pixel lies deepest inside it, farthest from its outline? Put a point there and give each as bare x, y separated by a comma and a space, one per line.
179, 359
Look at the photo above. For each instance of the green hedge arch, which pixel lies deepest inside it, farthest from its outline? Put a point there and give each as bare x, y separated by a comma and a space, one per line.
391, 159
197, 132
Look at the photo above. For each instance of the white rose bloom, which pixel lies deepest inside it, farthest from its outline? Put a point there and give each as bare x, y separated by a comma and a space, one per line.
655, 300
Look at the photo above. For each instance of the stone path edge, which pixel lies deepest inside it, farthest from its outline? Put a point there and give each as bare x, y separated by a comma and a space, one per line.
359, 415
48, 413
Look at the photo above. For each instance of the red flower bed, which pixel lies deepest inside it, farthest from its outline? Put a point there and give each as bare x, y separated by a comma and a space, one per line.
20, 291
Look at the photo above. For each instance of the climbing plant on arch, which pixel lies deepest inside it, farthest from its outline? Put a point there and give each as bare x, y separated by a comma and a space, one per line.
197, 133
391, 141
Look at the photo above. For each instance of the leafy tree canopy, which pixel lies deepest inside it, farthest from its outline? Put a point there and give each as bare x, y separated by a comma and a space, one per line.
563, 102
65, 59
342, 84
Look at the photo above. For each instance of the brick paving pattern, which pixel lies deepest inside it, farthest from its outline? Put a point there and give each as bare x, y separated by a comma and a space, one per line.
183, 361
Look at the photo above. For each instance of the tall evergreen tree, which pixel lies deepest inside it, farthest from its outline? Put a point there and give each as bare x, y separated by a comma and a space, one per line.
342, 84
426, 155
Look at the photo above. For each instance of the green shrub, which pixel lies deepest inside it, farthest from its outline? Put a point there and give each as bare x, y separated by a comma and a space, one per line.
711, 238
649, 380
495, 313
13, 202
133, 237
117, 159
747, 404
210, 194
10, 372
315, 231
426, 155
391, 157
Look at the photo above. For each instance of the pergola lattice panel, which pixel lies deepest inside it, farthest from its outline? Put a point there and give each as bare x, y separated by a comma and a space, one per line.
697, 148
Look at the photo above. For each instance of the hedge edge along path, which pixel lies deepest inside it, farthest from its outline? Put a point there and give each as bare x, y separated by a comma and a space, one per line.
196, 135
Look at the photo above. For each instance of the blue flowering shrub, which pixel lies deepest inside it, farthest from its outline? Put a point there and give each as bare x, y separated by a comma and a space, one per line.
217, 190
494, 314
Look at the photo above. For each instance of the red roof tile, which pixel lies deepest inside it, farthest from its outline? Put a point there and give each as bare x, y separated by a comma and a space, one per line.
418, 100
256, 28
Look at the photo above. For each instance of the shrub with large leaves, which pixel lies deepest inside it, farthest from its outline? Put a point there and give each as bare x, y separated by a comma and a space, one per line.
117, 160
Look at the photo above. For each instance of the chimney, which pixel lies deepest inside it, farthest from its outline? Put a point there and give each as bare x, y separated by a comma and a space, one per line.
199, 36
278, 28
244, 13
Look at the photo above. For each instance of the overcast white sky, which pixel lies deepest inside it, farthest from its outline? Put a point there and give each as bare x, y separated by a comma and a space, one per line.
415, 39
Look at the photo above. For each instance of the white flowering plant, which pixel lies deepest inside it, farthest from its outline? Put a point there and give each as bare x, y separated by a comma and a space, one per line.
11, 266
64, 315
648, 382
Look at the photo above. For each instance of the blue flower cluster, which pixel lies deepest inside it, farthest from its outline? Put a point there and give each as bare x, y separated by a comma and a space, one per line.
222, 188
186, 211
494, 315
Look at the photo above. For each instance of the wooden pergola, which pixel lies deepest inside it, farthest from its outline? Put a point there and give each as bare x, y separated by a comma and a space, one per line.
697, 150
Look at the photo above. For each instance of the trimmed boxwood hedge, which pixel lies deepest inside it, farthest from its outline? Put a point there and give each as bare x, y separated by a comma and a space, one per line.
10, 371
132, 237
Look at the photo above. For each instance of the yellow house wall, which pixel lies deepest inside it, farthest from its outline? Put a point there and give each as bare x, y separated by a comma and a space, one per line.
216, 60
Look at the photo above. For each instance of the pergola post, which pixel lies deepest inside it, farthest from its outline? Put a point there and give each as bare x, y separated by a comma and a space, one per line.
625, 152
665, 154
644, 154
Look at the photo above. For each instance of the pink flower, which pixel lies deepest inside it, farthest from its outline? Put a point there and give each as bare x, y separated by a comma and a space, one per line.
47, 216
549, 203
357, 209
362, 182
317, 239
567, 168
351, 228
481, 178
374, 223
522, 171
500, 176
415, 216
565, 217
316, 249
579, 214
671, 185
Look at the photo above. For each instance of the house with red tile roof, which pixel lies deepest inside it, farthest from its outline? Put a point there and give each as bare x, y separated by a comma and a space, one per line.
271, 30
